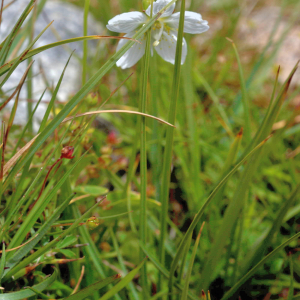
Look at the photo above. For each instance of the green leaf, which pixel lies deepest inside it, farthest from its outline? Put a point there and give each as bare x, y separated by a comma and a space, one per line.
14, 65
168, 153
67, 241
26, 293
7, 42
40, 206
93, 288
53, 98
92, 190
91, 83
164, 271
15, 258
257, 252
256, 267
2, 261
291, 287
191, 263
244, 94
198, 216
236, 204
36, 51
68, 253
123, 283
48, 246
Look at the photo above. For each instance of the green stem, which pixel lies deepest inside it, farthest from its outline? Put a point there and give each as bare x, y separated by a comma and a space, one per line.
29, 78
85, 45
143, 163
244, 95
169, 143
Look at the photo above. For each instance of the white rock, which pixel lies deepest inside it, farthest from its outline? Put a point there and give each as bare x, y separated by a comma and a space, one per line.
68, 23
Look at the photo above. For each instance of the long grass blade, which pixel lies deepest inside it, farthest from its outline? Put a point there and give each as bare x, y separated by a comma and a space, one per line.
166, 171
53, 98
123, 283
82, 294
165, 272
42, 231
260, 248
6, 67
198, 216
2, 261
91, 83
48, 246
19, 58
29, 293
184, 294
4, 49
257, 266
244, 93
39, 207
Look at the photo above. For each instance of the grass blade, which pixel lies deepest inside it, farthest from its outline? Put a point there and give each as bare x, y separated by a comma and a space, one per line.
291, 287
91, 83
165, 272
2, 261
7, 42
166, 171
19, 58
82, 294
6, 67
233, 210
123, 283
257, 266
256, 254
121, 261
143, 159
39, 208
272, 111
27, 124
200, 213
53, 98
42, 231
29, 293
85, 45
48, 246
244, 94
191, 263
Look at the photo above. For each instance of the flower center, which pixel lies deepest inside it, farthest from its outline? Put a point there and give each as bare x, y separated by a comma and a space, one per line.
157, 31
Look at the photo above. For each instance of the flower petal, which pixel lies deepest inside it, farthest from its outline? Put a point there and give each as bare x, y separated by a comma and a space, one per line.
127, 22
193, 22
167, 47
134, 54
159, 5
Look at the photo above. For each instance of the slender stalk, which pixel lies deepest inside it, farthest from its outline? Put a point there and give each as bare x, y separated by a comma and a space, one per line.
85, 45
245, 99
29, 78
169, 143
143, 162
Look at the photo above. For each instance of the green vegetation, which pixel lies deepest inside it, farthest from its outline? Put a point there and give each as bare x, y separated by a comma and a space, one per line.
156, 182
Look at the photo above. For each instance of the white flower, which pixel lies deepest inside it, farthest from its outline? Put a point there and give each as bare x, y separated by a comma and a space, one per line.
163, 32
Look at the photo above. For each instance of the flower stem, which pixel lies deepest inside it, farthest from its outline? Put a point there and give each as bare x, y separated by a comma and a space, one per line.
169, 142
143, 163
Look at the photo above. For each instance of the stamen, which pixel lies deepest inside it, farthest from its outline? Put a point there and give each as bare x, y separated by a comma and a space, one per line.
157, 35
156, 43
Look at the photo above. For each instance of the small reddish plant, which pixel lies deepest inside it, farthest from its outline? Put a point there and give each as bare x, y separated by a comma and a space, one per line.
66, 152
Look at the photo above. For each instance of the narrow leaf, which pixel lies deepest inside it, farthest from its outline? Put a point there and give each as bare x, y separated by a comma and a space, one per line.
29, 293
82, 294
123, 283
